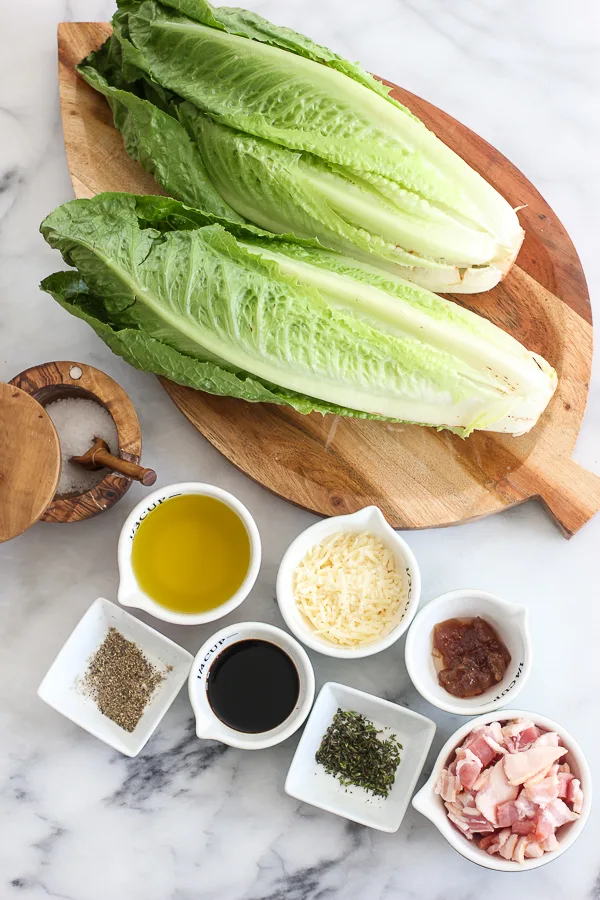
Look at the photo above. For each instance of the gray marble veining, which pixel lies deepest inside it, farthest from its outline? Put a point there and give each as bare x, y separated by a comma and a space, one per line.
192, 820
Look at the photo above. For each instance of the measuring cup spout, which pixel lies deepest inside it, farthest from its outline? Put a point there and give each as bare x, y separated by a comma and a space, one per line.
205, 728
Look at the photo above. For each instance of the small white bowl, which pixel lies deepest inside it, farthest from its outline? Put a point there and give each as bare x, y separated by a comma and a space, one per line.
308, 781
430, 804
60, 688
130, 593
368, 519
209, 726
509, 620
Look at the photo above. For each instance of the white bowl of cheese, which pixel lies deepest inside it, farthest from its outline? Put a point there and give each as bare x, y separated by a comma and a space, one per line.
349, 586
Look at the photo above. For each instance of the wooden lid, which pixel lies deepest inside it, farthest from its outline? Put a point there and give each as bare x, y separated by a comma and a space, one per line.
30, 461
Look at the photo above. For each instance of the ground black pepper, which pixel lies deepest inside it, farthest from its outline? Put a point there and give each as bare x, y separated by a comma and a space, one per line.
121, 680
352, 751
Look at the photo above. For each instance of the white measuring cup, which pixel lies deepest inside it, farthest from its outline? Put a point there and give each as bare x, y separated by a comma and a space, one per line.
208, 724
130, 593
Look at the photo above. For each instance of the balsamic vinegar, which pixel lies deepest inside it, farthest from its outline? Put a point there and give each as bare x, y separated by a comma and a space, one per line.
253, 686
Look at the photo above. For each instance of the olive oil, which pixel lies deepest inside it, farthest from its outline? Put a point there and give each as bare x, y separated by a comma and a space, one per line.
191, 553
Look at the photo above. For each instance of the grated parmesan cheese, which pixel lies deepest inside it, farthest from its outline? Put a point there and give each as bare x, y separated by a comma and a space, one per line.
349, 588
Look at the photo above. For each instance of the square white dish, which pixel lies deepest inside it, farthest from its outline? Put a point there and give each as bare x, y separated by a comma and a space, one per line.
308, 781
61, 691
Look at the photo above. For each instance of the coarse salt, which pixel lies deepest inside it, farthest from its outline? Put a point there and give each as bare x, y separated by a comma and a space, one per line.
79, 422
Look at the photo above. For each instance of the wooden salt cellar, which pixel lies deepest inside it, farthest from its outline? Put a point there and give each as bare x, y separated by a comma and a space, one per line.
30, 448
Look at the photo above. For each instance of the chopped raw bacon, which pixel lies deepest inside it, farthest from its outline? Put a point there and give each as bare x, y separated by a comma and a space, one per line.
468, 767
482, 780
507, 814
447, 786
533, 850
575, 795
523, 826
519, 851
525, 765
550, 844
477, 744
545, 791
468, 821
485, 842
497, 791
564, 779
506, 788
552, 817
560, 813
527, 809
547, 739
509, 847
519, 735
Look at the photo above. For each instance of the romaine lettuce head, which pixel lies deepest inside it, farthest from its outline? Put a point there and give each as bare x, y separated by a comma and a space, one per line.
314, 329
295, 139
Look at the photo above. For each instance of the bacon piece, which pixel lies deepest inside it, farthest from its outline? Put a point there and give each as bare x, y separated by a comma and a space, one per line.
482, 781
552, 817
479, 825
468, 821
550, 844
503, 836
525, 807
560, 813
575, 795
461, 825
468, 767
447, 786
533, 850
487, 840
509, 847
564, 767
494, 738
525, 765
564, 779
500, 838
519, 735
465, 798
547, 739
519, 851
523, 826
495, 792
477, 744
545, 791
507, 814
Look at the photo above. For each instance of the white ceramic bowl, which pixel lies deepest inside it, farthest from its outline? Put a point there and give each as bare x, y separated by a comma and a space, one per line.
209, 726
130, 593
368, 519
60, 689
308, 781
509, 620
431, 805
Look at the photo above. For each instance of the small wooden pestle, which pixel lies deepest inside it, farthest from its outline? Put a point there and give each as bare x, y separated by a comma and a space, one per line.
99, 456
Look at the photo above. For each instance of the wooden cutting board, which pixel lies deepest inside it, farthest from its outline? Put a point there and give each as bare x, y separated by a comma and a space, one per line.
420, 478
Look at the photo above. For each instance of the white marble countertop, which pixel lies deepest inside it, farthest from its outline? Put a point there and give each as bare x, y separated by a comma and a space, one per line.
192, 820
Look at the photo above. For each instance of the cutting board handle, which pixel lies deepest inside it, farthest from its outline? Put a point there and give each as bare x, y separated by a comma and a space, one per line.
569, 492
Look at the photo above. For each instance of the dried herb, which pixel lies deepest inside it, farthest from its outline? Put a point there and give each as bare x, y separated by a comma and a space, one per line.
352, 751
121, 680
